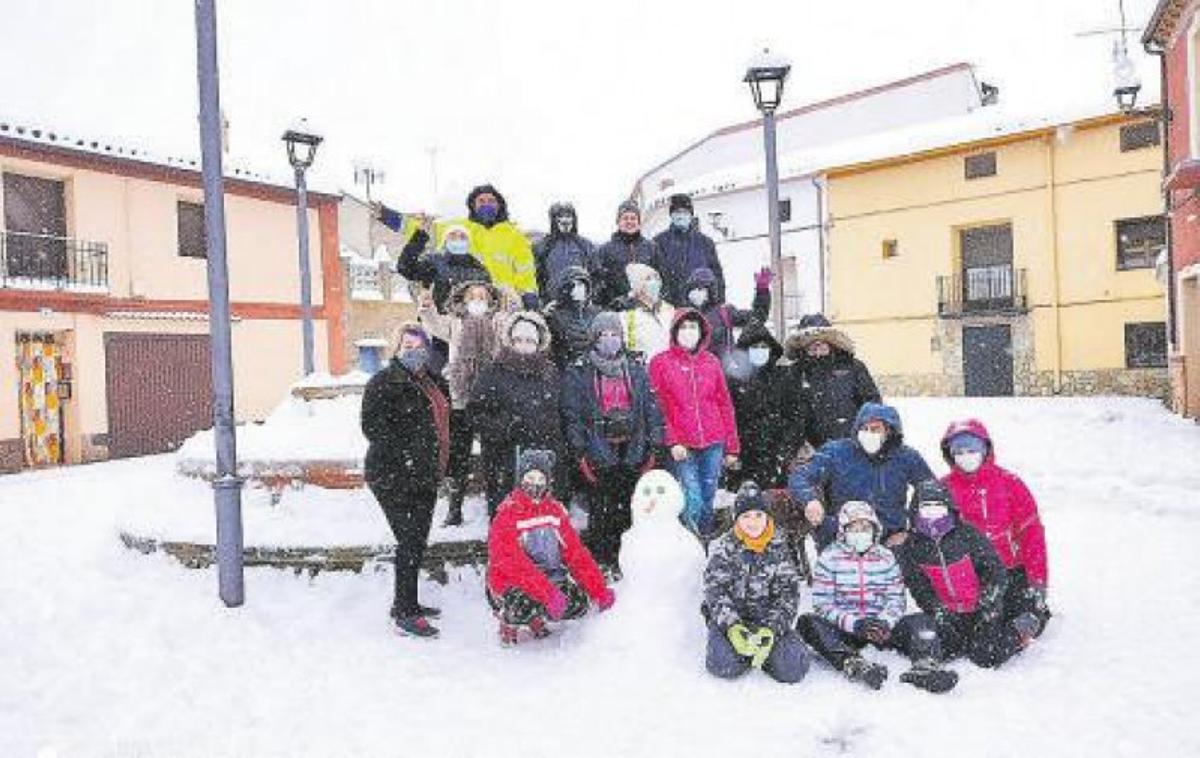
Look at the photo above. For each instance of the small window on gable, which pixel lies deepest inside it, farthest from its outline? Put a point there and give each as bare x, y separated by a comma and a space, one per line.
192, 242
979, 166
890, 249
1139, 136
1146, 344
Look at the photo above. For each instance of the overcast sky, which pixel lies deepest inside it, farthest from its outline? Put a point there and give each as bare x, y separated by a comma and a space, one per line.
547, 100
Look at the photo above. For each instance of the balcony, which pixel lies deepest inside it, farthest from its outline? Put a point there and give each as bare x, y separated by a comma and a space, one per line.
986, 290
45, 262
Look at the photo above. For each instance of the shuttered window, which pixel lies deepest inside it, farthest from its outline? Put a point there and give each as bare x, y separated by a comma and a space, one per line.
192, 243
979, 166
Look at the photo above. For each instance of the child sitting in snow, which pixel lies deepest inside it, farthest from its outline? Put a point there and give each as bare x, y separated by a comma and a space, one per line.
751, 594
858, 599
538, 569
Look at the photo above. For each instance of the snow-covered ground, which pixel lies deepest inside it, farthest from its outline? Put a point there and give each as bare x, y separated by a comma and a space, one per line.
104, 652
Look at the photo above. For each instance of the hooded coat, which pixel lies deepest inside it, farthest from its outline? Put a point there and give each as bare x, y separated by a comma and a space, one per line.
515, 406
722, 316
680, 252
472, 339
442, 271
400, 422
996, 501
500, 246
849, 586
841, 471
559, 251
568, 320
696, 406
612, 283
772, 413
837, 384
647, 330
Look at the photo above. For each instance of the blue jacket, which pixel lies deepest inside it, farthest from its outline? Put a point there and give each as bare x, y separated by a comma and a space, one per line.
583, 419
841, 471
681, 253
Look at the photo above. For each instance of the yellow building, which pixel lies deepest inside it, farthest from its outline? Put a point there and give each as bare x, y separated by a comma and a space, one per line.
1017, 260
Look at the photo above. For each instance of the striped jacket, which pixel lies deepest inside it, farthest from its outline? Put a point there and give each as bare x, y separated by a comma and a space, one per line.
848, 586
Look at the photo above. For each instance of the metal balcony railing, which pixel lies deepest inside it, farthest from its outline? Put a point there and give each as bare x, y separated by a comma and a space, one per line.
982, 290
45, 262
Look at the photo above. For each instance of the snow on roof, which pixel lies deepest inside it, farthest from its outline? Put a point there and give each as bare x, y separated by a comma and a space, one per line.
981, 124
123, 149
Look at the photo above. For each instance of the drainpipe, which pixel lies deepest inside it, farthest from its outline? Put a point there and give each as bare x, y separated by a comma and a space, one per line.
1164, 119
1052, 209
819, 186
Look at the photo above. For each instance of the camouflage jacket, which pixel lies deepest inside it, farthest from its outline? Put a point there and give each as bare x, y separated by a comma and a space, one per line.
757, 589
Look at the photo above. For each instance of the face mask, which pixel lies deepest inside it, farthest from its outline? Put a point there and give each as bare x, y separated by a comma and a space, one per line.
477, 308
414, 359
860, 542
653, 289
681, 219
457, 246
871, 442
608, 345
524, 348
688, 337
488, 212
969, 462
932, 511
564, 224
758, 356
698, 298
536, 491
579, 292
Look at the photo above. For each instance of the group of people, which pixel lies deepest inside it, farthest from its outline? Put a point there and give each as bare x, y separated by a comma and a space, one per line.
580, 368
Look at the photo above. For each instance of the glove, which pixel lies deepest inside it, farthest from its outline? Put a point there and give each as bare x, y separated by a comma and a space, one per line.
556, 606
874, 629
763, 641
529, 301
420, 237
606, 599
589, 474
1036, 596
739, 637
762, 279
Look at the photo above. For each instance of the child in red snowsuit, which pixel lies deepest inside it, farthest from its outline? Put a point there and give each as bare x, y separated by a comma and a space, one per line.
538, 568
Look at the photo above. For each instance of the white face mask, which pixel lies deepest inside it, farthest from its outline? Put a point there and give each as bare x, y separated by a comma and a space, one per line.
933, 511
759, 356
579, 292
477, 308
689, 336
860, 542
872, 442
652, 289
698, 298
969, 461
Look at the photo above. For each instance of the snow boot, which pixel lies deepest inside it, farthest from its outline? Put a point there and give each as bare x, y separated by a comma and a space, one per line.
510, 634
428, 611
538, 628
927, 674
859, 669
416, 626
454, 514
1027, 625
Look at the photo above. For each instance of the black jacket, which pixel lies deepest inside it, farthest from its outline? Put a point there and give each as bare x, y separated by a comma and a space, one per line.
583, 419
681, 253
837, 386
569, 320
442, 271
722, 316
611, 283
397, 420
772, 413
559, 251
958, 573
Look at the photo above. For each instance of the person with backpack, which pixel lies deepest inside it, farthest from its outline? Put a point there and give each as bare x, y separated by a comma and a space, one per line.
838, 384
859, 601
683, 248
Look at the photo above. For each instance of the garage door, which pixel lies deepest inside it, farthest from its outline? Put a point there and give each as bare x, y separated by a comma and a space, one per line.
159, 391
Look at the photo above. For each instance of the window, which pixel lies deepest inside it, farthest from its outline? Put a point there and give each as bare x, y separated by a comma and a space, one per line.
785, 211
1146, 344
891, 248
979, 166
1139, 241
1138, 136
35, 227
192, 242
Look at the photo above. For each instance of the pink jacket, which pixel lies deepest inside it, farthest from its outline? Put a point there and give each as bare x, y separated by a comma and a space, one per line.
692, 393
996, 501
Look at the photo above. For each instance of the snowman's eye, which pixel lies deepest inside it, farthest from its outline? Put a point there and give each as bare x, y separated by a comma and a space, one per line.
662, 490
647, 491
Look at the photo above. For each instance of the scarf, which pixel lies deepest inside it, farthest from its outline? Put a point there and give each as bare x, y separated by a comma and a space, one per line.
760, 543
614, 366
440, 408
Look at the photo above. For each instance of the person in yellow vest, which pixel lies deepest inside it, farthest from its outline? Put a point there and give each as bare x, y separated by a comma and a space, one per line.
501, 247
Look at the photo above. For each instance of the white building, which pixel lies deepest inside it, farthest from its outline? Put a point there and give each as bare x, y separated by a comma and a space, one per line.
723, 173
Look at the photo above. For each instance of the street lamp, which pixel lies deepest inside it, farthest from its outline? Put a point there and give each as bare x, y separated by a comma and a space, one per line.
302, 144
1126, 83
766, 75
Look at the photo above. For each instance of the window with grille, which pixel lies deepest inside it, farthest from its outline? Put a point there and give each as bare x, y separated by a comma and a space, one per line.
979, 166
1139, 241
1138, 136
1146, 344
192, 241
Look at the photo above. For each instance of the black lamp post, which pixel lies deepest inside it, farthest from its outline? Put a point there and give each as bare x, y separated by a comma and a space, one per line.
302, 144
766, 75
1126, 84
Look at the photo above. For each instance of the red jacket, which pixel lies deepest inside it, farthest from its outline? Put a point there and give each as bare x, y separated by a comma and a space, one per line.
996, 501
510, 566
692, 393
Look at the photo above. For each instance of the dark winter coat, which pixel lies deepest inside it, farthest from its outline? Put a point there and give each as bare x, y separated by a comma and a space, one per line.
772, 413
841, 471
441, 271
515, 400
679, 254
398, 421
837, 384
952, 573
583, 418
612, 285
558, 251
568, 320
756, 589
722, 316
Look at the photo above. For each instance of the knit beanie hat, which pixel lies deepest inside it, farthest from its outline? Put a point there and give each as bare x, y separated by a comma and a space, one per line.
749, 498
628, 207
535, 460
604, 321
680, 202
